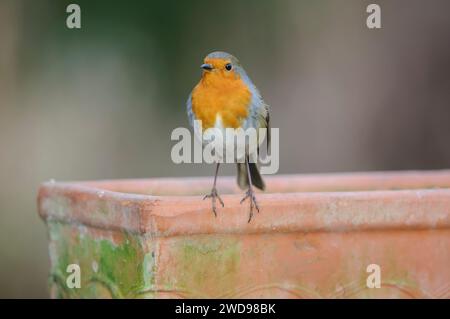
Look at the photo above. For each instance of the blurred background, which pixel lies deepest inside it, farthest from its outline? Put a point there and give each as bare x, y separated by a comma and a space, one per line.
101, 102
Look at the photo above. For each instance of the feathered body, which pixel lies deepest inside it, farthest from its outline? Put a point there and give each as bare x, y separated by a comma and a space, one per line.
227, 98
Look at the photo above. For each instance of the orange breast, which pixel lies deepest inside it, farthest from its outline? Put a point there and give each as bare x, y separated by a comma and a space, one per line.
228, 97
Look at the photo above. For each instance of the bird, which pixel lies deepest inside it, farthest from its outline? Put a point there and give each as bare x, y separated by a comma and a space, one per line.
225, 97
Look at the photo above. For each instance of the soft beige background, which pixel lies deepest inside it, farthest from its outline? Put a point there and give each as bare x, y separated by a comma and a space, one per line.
101, 102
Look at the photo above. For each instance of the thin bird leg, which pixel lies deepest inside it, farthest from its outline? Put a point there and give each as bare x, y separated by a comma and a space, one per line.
250, 193
214, 193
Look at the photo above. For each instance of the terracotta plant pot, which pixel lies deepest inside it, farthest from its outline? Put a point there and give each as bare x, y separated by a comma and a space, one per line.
315, 236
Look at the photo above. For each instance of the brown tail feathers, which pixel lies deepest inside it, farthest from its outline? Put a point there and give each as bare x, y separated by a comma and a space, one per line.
242, 176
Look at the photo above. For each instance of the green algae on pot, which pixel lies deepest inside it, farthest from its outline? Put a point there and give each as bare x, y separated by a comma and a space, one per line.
112, 265
158, 239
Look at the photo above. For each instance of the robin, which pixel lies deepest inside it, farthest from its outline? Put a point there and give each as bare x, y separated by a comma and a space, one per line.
225, 98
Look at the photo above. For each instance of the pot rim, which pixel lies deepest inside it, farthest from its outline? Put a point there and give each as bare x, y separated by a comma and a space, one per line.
406, 200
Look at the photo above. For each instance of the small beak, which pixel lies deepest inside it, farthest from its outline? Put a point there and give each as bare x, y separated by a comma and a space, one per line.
206, 66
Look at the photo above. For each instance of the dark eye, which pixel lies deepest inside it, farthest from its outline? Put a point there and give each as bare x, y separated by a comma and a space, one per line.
228, 66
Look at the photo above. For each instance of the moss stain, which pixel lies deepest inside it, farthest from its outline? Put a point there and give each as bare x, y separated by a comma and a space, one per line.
107, 269
202, 261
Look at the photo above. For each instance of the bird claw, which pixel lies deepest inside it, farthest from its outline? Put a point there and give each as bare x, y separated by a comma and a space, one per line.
214, 195
253, 203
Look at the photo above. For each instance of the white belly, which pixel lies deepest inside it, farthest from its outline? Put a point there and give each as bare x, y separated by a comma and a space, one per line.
234, 149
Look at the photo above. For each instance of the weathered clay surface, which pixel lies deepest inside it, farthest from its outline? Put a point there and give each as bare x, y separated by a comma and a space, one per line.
314, 237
